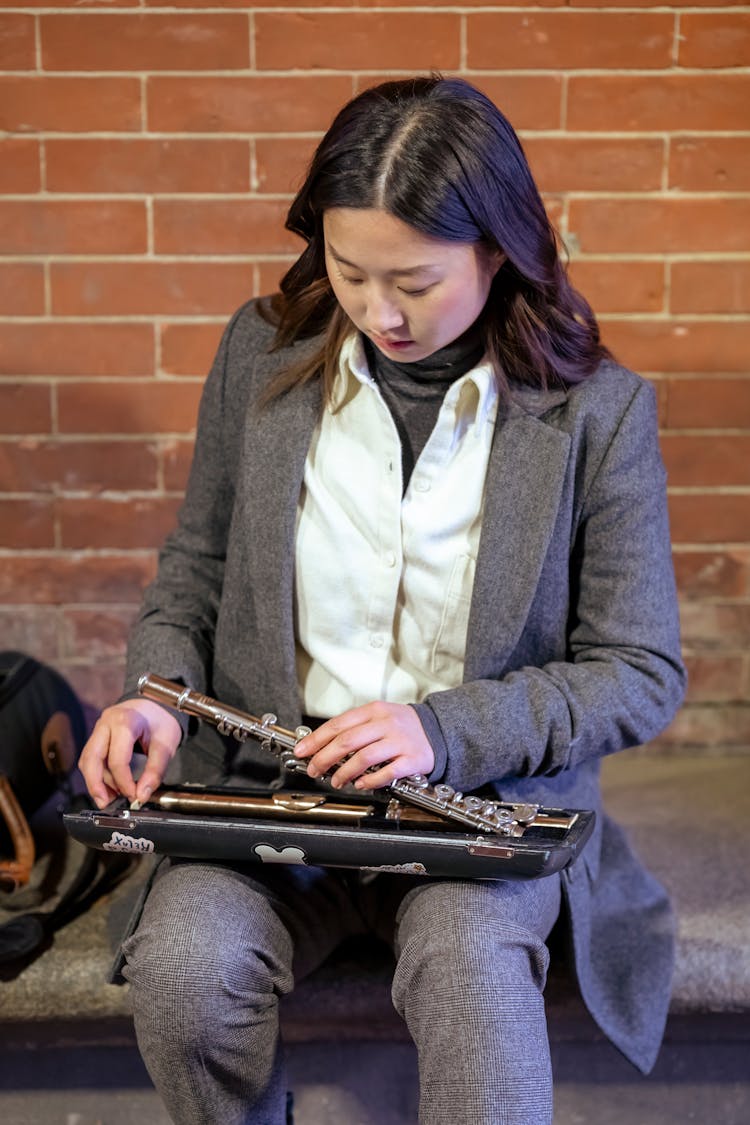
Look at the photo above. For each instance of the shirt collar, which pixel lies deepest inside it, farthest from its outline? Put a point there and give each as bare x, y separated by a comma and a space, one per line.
473, 397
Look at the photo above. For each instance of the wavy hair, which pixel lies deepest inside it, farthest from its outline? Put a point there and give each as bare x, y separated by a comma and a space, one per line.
439, 155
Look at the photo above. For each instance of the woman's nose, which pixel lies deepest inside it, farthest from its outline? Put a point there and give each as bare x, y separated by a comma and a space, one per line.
383, 314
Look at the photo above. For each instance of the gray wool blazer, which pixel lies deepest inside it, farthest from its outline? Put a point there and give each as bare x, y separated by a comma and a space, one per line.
573, 647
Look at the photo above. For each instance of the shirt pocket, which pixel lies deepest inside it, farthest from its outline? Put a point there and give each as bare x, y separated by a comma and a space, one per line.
449, 649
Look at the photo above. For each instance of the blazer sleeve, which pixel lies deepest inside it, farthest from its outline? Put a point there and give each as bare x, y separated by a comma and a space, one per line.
623, 677
174, 632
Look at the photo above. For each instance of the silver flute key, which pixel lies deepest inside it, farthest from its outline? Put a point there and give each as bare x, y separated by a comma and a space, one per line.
479, 813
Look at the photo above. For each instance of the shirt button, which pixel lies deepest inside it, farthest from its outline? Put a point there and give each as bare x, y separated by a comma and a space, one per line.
376, 641
422, 485
389, 558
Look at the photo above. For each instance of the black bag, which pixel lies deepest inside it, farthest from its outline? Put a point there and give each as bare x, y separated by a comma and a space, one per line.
42, 732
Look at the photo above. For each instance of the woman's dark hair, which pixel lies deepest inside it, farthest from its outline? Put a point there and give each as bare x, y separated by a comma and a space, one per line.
437, 154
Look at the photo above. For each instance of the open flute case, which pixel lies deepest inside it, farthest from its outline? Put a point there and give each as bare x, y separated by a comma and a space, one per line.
410, 826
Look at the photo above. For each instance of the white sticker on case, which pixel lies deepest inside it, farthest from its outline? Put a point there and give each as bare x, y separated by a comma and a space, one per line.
119, 843
268, 854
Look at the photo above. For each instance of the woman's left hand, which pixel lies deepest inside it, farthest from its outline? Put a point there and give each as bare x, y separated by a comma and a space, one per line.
385, 738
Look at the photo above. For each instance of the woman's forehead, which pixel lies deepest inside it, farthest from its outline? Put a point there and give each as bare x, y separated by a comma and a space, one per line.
368, 236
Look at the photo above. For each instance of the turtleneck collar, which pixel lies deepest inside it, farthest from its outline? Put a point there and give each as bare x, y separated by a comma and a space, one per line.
443, 367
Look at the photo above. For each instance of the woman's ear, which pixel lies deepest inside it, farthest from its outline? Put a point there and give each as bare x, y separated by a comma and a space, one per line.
492, 259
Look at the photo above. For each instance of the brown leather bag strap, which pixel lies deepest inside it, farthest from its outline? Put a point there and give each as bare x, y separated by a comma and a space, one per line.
16, 871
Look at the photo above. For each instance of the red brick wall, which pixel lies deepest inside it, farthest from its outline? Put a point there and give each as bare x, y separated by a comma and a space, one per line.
147, 157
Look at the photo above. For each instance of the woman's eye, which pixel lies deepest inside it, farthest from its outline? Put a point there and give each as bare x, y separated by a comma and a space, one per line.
350, 280
415, 292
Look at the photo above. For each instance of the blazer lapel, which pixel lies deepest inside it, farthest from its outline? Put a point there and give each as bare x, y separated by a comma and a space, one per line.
276, 447
525, 477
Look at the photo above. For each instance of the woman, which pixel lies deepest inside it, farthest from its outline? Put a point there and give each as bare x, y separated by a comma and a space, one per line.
427, 509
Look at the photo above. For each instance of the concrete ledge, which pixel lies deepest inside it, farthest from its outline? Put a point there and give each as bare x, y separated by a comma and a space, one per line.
689, 818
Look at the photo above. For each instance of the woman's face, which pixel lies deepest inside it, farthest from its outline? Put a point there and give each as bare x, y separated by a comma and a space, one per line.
410, 293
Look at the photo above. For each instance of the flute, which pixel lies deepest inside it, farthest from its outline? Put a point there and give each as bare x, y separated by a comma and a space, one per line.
478, 813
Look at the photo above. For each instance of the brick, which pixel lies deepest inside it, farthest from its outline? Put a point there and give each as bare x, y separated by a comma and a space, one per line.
595, 163
153, 407
17, 45
568, 40
72, 227
172, 165
21, 289
75, 4
708, 726
215, 226
433, 3
614, 103
714, 40
661, 225
125, 523
254, 104
19, 165
25, 408
27, 524
696, 460
714, 625
270, 274
34, 465
148, 288
95, 632
31, 630
707, 403
49, 348
282, 162
713, 574
71, 105
714, 678
709, 517
145, 42
614, 286
244, 4
52, 579
691, 346
709, 164
97, 685
176, 457
189, 349
706, 287
555, 209
528, 101
358, 40
660, 4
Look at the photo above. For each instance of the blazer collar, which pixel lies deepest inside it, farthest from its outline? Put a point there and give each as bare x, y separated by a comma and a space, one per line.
525, 476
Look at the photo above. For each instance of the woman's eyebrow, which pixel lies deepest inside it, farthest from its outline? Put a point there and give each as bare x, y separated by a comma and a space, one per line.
391, 273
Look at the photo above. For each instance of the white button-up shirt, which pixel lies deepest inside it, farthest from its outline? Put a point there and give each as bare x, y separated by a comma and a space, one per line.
383, 581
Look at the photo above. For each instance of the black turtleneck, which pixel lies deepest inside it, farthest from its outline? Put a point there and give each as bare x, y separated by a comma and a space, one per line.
414, 392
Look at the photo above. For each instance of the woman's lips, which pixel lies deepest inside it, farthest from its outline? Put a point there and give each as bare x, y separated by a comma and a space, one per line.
396, 345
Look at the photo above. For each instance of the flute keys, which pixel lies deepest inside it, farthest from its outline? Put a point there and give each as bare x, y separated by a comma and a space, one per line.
418, 780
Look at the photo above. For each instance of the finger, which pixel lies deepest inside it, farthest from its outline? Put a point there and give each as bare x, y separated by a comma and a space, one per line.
159, 756
371, 757
377, 778
345, 747
92, 764
122, 740
323, 735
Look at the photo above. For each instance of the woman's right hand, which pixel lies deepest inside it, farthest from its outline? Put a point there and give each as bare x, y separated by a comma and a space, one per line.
106, 758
